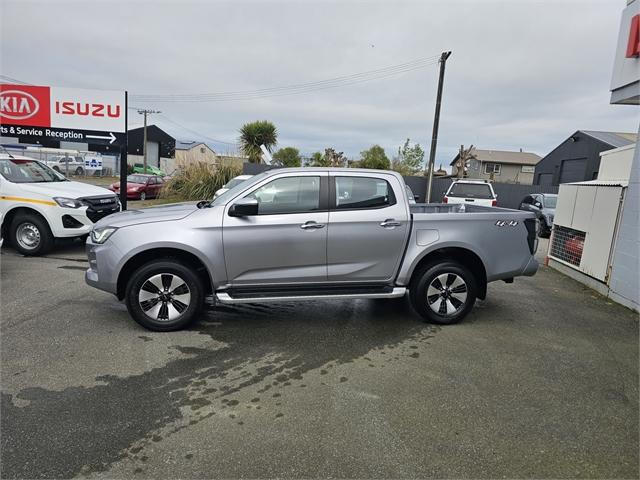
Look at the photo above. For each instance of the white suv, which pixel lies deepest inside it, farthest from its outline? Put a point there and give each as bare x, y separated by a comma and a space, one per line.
38, 204
475, 192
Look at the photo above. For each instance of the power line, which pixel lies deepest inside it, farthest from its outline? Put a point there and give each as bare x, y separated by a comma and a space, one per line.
206, 137
294, 89
13, 80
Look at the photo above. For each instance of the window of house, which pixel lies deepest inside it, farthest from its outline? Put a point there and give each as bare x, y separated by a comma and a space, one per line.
363, 192
202, 149
490, 168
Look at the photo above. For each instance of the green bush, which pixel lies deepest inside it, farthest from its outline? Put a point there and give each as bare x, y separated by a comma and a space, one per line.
199, 181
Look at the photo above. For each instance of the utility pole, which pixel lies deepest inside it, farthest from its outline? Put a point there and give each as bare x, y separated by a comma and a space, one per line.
436, 122
145, 112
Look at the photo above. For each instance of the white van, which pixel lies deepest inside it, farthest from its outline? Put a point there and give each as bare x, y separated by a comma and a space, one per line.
474, 192
38, 204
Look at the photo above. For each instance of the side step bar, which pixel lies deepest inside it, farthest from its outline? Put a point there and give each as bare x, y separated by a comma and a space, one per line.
224, 297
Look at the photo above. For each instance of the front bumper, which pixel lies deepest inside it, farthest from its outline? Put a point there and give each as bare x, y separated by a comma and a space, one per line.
103, 259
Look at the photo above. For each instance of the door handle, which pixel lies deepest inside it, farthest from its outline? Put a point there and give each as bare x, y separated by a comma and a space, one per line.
390, 222
310, 225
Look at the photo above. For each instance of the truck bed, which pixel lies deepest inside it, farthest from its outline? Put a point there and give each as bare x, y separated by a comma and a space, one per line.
455, 208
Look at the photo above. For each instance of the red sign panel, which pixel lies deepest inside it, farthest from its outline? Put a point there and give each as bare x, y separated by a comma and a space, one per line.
633, 45
25, 105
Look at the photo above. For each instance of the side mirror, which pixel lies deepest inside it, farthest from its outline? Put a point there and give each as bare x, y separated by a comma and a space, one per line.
537, 206
416, 198
244, 207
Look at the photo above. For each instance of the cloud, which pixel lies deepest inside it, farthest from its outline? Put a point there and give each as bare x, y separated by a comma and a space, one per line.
522, 75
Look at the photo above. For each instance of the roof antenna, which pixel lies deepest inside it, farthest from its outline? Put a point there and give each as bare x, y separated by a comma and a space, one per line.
7, 151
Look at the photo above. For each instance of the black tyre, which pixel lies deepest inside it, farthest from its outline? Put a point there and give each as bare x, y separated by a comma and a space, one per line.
164, 295
79, 171
443, 292
143, 196
30, 234
543, 230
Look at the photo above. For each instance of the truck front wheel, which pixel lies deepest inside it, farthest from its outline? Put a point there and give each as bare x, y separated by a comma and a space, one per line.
443, 292
30, 234
164, 295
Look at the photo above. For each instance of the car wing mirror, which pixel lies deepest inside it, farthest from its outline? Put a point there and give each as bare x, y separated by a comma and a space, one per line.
244, 207
416, 198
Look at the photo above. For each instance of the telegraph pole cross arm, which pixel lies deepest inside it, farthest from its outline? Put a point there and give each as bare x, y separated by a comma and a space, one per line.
436, 122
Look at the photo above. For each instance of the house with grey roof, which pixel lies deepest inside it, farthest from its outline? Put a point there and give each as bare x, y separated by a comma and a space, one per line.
194, 152
500, 166
577, 158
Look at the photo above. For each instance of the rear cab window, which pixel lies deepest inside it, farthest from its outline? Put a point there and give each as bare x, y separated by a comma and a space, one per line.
354, 193
471, 190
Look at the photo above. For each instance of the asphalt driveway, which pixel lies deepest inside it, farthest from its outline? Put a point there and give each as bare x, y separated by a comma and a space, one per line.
540, 381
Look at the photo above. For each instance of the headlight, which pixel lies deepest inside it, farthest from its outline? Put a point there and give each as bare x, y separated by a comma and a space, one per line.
101, 235
67, 202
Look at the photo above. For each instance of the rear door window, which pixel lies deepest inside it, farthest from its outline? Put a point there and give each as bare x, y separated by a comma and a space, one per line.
354, 193
470, 190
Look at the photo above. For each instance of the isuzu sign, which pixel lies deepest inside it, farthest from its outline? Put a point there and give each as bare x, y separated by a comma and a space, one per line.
56, 113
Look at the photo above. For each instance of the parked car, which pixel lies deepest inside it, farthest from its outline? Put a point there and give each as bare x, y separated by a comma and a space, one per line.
151, 170
140, 187
476, 192
67, 164
231, 183
544, 206
38, 204
320, 233
411, 198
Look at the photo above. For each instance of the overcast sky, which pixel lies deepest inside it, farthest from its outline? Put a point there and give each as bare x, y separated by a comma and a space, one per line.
523, 74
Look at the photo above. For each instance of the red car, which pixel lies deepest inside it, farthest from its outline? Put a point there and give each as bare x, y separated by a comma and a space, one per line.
140, 186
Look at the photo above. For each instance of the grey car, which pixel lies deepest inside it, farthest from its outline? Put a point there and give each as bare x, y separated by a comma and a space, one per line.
543, 205
307, 234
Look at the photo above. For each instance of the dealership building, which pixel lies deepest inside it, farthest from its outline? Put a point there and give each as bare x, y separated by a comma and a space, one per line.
596, 229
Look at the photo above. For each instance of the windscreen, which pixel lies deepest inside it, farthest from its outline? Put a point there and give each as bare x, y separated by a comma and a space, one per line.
470, 190
550, 201
28, 171
234, 182
137, 179
224, 198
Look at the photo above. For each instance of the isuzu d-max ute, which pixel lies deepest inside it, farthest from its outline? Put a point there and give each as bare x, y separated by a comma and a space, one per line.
308, 234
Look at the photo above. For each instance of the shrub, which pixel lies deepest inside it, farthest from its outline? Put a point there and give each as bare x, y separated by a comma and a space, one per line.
199, 181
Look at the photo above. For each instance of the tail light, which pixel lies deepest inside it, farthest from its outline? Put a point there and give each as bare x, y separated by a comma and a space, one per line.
445, 199
494, 203
532, 238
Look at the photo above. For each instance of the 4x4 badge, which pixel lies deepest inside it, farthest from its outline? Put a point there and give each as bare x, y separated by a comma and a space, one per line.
506, 223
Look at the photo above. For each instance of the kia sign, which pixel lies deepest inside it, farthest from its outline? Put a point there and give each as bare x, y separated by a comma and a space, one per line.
625, 81
36, 113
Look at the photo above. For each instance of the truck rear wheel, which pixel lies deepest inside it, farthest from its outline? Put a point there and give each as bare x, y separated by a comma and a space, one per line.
30, 234
443, 292
164, 295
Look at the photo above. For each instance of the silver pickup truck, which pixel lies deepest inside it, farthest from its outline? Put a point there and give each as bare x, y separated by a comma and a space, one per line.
308, 234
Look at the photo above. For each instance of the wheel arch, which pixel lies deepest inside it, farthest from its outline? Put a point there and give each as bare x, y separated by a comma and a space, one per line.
8, 217
159, 253
464, 256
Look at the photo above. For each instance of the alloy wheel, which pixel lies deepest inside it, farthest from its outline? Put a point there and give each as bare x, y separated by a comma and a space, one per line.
164, 297
447, 294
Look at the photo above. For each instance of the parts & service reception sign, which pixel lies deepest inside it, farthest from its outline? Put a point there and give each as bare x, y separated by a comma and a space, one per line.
36, 113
